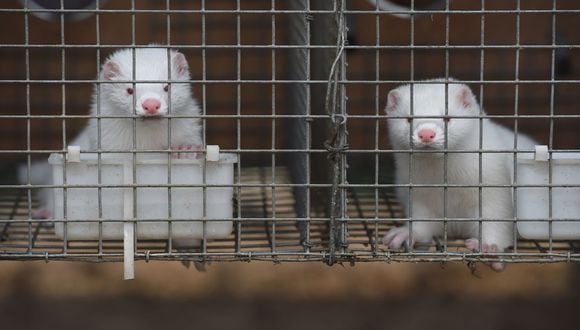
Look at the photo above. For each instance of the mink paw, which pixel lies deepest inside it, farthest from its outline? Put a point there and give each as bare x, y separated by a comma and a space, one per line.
396, 238
188, 151
41, 213
473, 245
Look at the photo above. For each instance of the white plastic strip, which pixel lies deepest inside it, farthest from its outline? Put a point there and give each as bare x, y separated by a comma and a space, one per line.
212, 153
542, 154
73, 154
128, 227
128, 248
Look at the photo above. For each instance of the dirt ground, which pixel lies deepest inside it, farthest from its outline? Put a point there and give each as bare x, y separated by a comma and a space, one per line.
66, 295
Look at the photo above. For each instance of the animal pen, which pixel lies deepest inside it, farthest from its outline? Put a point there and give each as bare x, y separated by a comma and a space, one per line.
293, 93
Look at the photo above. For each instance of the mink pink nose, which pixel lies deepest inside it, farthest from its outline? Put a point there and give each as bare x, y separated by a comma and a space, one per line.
426, 135
151, 106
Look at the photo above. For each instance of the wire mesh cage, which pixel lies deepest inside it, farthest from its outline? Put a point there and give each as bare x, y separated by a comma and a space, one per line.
295, 94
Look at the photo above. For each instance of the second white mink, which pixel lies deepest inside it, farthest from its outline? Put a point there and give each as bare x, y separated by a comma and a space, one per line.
428, 134
151, 101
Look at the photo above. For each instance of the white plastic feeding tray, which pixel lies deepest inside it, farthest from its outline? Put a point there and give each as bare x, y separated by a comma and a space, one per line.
533, 203
149, 202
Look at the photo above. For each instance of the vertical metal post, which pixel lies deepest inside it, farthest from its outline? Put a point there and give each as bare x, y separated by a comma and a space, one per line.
299, 128
323, 27
335, 106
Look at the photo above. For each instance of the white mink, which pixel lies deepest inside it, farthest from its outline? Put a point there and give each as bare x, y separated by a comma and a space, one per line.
153, 102
428, 133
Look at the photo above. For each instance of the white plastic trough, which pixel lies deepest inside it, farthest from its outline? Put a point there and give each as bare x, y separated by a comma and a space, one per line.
117, 204
533, 202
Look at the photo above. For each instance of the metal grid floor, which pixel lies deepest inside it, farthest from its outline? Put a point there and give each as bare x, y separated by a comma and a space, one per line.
277, 241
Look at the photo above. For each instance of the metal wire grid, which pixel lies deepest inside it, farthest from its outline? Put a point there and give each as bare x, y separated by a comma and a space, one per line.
254, 239
23, 239
357, 215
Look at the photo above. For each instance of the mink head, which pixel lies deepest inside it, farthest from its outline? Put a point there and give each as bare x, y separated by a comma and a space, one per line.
434, 116
125, 94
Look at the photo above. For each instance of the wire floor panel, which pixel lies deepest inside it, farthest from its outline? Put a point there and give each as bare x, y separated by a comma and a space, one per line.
278, 241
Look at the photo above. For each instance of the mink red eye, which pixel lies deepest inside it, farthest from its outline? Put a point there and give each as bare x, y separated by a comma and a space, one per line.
166, 88
409, 119
446, 119
130, 91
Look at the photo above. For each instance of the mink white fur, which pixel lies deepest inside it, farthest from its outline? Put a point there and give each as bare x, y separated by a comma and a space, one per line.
117, 97
409, 133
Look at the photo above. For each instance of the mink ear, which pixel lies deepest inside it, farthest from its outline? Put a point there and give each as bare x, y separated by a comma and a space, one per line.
393, 100
111, 70
466, 97
180, 64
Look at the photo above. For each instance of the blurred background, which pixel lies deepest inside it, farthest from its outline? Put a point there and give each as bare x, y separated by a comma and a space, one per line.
262, 295
258, 295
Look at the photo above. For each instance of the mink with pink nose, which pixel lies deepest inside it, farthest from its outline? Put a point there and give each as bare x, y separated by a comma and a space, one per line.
131, 110
436, 127
155, 91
